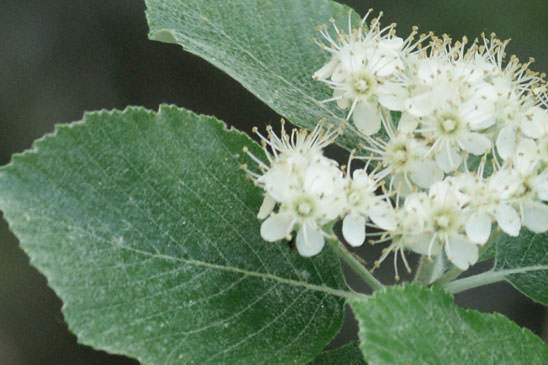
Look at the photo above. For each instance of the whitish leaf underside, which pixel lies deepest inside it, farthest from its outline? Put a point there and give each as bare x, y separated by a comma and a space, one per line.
263, 44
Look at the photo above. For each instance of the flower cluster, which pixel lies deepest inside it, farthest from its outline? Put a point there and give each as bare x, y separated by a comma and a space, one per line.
466, 151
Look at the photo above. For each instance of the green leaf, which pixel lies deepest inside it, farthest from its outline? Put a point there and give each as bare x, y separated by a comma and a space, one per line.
349, 354
524, 261
419, 325
263, 44
145, 227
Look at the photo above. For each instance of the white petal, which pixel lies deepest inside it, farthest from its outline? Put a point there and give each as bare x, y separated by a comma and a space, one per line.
478, 227
362, 180
322, 178
427, 70
278, 181
441, 191
448, 160
506, 142
542, 189
535, 217
339, 74
530, 129
485, 90
444, 93
277, 227
310, 240
266, 207
393, 44
383, 62
353, 229
508, 219
535, 124
401, 185
383, 215
475, 143
343, 102
527, 156
478, 114
417, 208
326, 70
461, 252
540, 117
407, 123
419, 105
505, 182
367, 118
392, 96
423, 244
425, 173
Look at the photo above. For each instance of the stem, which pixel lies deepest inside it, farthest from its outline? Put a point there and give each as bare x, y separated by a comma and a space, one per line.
474, 281
355, 265
487, 277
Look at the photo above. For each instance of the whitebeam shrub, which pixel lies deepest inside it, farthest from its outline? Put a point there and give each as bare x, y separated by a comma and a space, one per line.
161, 231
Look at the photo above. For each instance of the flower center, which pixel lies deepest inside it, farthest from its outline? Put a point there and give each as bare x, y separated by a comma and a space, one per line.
525, 189
449, 125
304, 208
400, 156
397, 155
444, 220
354, 198
362, 84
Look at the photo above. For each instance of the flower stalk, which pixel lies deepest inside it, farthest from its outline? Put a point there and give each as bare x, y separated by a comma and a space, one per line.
355, 265
488, 277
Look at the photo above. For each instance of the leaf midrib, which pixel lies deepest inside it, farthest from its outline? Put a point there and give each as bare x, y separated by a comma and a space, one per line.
325, 289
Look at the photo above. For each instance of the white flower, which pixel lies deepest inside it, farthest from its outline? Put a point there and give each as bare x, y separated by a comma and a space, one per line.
455, 125
307, 186
535, 123
490, 199
459, 92
535, 126
447, 63
319, 199
288, 154
533, 189
410, 221
403, 158
362, 202
511, 86
514, 115
361, 72
442, 212
426, 73
515, 74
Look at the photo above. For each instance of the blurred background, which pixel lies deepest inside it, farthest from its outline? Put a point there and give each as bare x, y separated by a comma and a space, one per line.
59, 58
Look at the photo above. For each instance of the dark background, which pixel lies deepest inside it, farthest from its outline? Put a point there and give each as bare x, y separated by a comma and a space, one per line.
60, 58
